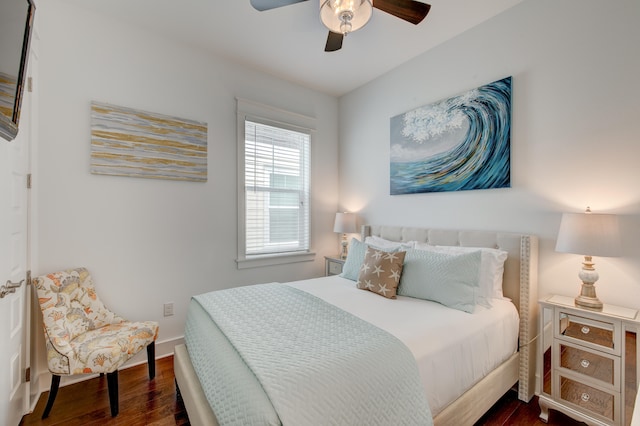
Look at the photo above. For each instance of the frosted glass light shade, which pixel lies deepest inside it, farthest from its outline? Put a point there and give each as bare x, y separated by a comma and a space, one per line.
345, 16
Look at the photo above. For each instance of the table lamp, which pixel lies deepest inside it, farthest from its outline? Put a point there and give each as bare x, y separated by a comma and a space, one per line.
345, 224
590, 235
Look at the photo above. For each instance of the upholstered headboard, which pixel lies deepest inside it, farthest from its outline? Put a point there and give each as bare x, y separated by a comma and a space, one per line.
520, 282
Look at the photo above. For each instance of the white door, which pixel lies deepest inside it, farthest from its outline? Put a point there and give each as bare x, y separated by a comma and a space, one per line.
14, 306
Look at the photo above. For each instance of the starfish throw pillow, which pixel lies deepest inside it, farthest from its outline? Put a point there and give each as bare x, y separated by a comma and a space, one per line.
380, 272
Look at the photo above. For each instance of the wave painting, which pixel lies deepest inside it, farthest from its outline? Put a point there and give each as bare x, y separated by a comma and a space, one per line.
456, 144
130, 142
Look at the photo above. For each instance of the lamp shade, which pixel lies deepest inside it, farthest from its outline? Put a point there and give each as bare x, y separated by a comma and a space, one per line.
589, 234
345, 223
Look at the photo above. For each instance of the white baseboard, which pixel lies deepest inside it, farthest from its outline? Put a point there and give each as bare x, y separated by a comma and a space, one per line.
43, 380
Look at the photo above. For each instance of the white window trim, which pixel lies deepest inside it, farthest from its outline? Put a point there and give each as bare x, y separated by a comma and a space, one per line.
255, 111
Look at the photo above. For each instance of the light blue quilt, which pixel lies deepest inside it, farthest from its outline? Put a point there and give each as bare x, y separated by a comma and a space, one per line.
315, 363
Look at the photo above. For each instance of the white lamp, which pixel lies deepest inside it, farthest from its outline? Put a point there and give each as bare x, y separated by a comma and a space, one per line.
345, 16
346, 224
589, 234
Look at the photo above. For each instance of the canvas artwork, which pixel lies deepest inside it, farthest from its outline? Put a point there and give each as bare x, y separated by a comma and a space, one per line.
459, 143
130, 142
7, 94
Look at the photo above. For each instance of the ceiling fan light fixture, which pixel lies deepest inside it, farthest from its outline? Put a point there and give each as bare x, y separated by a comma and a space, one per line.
345, 16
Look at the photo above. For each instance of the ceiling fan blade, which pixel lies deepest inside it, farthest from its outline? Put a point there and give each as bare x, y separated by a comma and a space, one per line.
409, 10
334, 42
263, 5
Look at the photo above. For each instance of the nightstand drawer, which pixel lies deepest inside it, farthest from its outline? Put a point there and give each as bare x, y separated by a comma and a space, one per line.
590, 365
333, 265
588, 398
587, 331
335, 268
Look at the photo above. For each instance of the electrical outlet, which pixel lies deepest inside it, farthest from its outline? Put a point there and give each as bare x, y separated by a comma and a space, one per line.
168, 309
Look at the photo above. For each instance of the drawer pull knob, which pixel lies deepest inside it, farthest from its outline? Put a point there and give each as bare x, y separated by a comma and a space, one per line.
585, 397
585, 329
584, 363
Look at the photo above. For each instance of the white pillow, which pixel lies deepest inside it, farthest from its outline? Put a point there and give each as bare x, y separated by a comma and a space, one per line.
491, 267
383, 243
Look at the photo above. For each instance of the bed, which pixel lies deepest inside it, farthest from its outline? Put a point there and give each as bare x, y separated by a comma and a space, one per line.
469, 404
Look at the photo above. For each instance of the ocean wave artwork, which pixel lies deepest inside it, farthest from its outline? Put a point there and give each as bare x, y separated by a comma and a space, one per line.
456, 144
130, 142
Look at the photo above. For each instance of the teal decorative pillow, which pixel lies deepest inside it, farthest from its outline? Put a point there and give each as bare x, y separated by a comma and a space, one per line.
491, 268
452, 280
355, 257
354, 260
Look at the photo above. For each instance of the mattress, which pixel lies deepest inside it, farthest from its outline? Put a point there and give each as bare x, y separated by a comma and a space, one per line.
453, 349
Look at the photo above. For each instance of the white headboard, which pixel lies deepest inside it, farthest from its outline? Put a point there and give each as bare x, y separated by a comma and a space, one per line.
520, 282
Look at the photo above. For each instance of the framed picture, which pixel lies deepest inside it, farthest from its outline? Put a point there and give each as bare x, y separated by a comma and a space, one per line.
456, 144
135, 143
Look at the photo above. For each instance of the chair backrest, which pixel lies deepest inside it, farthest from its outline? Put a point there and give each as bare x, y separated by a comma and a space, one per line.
70, 306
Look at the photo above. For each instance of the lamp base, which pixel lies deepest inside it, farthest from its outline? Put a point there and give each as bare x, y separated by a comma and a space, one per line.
587, 298
345, 251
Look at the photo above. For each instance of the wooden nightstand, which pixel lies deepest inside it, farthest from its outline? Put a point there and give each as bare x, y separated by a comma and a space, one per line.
587, 361
333, 265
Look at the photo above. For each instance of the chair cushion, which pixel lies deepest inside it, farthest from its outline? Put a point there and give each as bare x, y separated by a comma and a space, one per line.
105, 349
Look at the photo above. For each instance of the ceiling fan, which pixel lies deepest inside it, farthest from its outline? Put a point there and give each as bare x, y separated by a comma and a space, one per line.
344, 16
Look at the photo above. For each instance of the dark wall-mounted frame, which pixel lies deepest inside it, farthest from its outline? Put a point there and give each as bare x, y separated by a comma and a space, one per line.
15, 65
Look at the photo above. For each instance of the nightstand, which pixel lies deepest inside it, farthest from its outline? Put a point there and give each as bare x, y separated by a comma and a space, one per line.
587, 361
333, 265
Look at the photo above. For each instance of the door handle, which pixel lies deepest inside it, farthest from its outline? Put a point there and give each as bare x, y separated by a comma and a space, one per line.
9, 287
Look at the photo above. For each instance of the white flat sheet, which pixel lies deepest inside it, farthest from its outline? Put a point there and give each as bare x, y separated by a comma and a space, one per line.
453, 349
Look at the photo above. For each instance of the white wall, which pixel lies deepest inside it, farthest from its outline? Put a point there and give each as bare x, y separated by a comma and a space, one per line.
575, 139
153, 241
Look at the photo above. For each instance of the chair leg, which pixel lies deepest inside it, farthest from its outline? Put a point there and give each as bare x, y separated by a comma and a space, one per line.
112, 384
178, 394
151, 359
55, 384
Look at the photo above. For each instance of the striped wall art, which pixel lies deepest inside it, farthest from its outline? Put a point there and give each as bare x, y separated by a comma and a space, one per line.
7, 94
130, 142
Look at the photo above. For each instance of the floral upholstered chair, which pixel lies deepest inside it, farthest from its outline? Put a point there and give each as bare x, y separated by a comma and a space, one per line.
83, 336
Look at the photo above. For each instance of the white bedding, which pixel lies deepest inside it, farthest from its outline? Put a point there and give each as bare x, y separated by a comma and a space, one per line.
453, 349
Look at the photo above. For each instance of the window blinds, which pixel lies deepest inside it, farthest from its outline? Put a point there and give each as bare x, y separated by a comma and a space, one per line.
276, 188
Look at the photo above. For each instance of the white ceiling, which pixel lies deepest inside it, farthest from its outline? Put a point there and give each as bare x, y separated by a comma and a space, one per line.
288, 42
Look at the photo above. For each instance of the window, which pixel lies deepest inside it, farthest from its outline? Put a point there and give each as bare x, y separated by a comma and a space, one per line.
274, 163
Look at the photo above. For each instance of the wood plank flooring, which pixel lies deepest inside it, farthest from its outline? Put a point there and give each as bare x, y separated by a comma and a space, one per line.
144, 402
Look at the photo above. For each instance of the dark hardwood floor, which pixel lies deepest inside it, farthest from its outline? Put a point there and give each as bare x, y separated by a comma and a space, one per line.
144, 402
